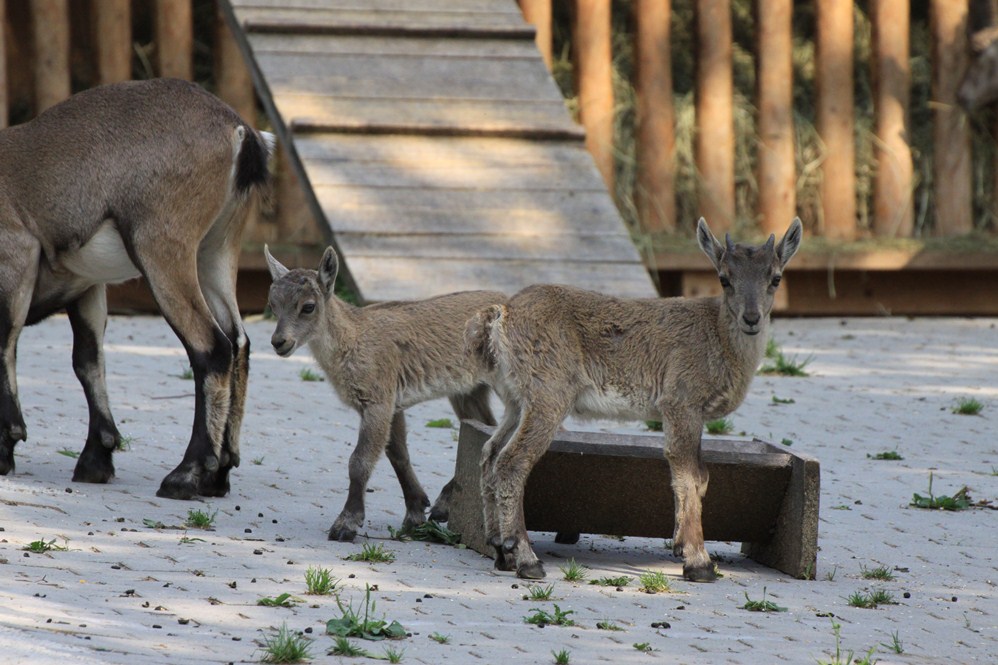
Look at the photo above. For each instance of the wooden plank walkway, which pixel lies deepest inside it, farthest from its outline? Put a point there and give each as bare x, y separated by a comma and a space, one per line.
437, 148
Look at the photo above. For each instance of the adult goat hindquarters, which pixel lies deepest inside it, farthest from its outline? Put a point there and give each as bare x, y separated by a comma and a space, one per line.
556, 350
382, 359
146, 178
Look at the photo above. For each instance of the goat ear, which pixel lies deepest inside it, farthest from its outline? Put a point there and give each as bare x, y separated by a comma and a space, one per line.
789, 243
329, 266
277, 270
708, 243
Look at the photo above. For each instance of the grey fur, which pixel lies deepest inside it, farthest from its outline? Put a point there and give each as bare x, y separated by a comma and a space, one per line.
979, 86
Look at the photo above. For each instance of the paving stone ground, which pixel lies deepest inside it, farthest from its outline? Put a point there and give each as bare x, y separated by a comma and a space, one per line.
126, 593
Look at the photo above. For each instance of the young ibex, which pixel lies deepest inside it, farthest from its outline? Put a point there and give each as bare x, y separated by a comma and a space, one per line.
382, 359
556, 350
146, 178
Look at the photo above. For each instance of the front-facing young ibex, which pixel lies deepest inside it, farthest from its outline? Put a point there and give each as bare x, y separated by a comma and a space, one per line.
381, 359
148, 178
557, 350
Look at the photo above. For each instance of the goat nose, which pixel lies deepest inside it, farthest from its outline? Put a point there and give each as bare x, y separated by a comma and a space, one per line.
751, 319
277, 342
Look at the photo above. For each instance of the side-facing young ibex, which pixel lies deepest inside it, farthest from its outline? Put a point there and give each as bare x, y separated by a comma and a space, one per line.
979, 86
381, 359
146, 178
557, 350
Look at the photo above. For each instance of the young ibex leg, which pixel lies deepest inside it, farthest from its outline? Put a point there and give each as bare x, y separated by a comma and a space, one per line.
471, 406
415, 497
689, 485
18, 271
88, 318
490, 510
375, 427
538, 426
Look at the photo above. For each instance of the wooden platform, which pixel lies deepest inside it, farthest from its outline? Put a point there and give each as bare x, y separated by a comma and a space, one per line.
437, 148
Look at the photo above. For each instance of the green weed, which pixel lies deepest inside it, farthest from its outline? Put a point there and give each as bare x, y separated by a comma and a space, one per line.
777, 400
846, 658
654, 581
440, 639
761, 605
891, 455
286, 646
573, 572
69, 452
643, 647
654, 425
443, 423
896, 646
429, 531
882, 573
186, 374
372, 553
959, 501
542, 618
623, 580
781, 364
393, 655
344, 647
870, 600
200, 519
43, 546
608, 625
283, 600
309, 374
562, 657
968, 406
319, 581
719, 426
538, 592
354, 624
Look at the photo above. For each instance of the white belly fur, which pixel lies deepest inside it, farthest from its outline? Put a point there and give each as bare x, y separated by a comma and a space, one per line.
103, 259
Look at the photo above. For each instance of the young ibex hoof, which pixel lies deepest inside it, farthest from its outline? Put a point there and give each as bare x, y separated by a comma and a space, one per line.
503, 562
180, 485
342, 534
439, 515
566, 537
6, 458
215, 484
700, 573
95, 468
531, 571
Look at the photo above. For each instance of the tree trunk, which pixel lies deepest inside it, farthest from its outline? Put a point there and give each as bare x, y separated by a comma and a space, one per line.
50, 25
595, 80
775, 166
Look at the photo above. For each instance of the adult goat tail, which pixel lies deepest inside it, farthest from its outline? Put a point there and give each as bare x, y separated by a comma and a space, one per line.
480, 335
252, 166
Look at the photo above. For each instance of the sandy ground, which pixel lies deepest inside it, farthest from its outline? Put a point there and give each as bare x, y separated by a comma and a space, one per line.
124, 592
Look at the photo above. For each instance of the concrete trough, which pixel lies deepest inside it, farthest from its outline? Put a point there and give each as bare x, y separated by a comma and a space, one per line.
760, 494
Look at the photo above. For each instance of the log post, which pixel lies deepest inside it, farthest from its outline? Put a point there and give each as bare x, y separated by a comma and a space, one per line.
835, 120
175, 38
893, 215
232, 76
113, 40
655, 139
595, 80
775, 164
50, 26
952, 177
538, 14
4, 94
714, 149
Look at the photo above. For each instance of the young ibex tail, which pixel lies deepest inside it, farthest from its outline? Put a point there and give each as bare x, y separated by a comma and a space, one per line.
382, 359
148, 178
558, 350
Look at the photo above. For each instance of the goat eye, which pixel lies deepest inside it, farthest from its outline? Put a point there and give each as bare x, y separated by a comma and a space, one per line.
776, 280
725, 282
308, 308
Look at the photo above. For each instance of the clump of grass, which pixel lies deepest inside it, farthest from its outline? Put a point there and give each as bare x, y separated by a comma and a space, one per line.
344, 647
787, 442
393, 655
286, 646
125, 443
562, 657
891, 455
372, 553
654, 581
654, 425
608, 625
360, 623
846, 658
429, 531
780, 364
186, 374
871, 600
309, 374
538, 592
43, 546
789, 400
69, 452
283, 600
959, 501
185, 540
257, 460
896, 646
319, 581
573, 572
643, 647
968, 406
719, 426
439, 638
882, 573
443, 423
200, 519
761, 605
543, 618
623, 580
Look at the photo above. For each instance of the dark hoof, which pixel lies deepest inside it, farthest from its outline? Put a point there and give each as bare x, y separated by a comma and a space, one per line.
531, 571
215, 484
503, 562
343, 535
6, 459
566, 538
181, 484
700, 573
93, 468
439, 515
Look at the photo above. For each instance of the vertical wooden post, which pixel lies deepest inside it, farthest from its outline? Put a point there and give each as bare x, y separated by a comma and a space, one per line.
4, 95
538, 14
775, 165
893, 215
595, 80
834, 76
113, 39
952, 178
174, 38
232, 76
715, 115
655, 139
50, 25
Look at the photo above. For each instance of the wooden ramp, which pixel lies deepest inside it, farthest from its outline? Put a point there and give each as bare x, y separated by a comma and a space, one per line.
437, 148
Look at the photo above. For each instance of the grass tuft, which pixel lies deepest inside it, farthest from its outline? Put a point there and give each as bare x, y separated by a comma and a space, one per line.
719, 426
309, 374
761, 605
538, 592
959, 501
562, 657
623, 580
870, 600
286, 646
283, 600
200, 519
882, 573
440, 638
654, 581
968, 406
372, 553
543, 618
319, 581
43, 546
891, 455
443, 423
573, 572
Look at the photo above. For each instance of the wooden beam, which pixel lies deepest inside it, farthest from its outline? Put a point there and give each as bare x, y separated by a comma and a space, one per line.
952, 179
50, 25
538, 14
893, 215
834, 78
715, 116
235, 86
595, 81
655, 139
113, 40
175, 38
775, 163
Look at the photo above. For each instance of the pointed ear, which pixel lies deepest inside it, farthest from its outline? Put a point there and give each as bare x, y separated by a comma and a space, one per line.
277, 270
708, 243
329, 266
789, 243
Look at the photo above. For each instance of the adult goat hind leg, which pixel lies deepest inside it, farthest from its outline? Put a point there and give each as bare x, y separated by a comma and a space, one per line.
689, 485
19, 253
473, 405
88, 318
490, 509
416, 501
